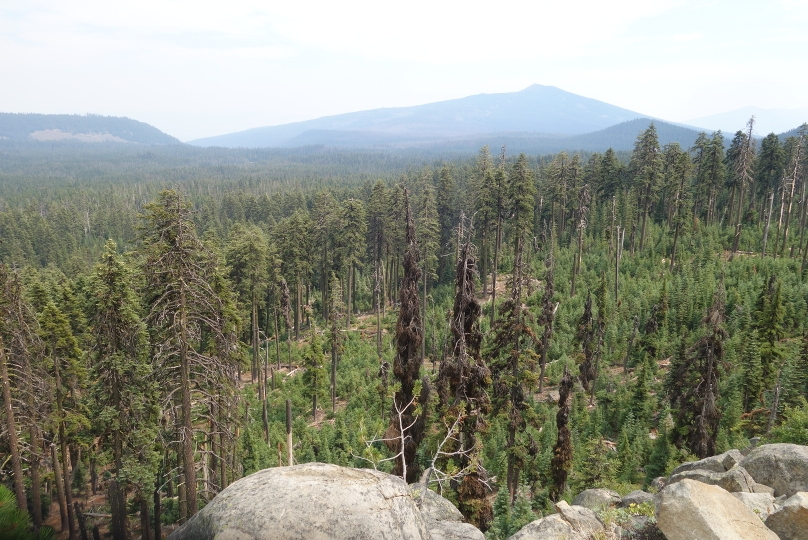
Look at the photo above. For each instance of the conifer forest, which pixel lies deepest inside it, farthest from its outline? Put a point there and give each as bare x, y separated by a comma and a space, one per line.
511, 329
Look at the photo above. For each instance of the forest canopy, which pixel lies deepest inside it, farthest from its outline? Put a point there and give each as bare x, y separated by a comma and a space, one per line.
517, 328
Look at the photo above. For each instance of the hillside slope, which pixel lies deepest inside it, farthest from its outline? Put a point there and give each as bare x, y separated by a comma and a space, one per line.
85, 128
536, 109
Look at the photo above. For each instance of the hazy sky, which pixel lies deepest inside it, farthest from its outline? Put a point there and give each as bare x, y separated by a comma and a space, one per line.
199, 68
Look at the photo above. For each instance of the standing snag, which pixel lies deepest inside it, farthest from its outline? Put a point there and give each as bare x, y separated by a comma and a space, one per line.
561, 463
462, 390
406, 429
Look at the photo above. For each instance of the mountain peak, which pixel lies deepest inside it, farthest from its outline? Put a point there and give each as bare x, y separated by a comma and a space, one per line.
535, 109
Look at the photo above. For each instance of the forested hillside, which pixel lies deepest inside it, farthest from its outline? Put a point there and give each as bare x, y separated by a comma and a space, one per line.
516, 328
88, 128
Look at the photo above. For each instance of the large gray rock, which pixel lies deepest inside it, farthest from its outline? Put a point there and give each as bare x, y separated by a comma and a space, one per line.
783, 467
443, 519
637, 497
582, 519
452, 530
791, 521
762, 504
734, 480
434, 507
720, 463
597, 499
570, 523
691, 510
314, 501
552, 527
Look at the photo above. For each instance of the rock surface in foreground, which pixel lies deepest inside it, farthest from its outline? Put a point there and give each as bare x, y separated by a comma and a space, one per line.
791, 521
690, 510
314, 501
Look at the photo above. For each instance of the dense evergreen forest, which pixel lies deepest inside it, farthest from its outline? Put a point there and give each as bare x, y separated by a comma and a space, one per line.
511, 329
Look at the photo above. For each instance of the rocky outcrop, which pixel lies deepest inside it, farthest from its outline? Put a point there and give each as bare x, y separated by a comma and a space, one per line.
688, 510
783, 467
597, 499
570, 523
791, 521
312, 501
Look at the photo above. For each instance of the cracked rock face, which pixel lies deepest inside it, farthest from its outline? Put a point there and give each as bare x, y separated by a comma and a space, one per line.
313, 501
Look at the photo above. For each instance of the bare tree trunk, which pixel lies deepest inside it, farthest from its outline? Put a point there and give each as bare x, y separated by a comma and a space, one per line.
16, 465
423, 317
378, 292
254, 339
645, 210
289, 449
36, 482
158, 533
497, 243
334, 378
187, 433
60, 489
145, 529
277, 339
768, 223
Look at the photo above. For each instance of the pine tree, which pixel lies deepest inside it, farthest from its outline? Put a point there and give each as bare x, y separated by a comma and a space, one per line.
125, 391
646, 170
546, 317
743, 173
352, 238
512, 363
248, 258
446, 201
610, 175
751, 371
485, 211
768, 322
191, 326
315, 374
21, 351
429, 233
585, 335
336, 337
692, 384
68, 372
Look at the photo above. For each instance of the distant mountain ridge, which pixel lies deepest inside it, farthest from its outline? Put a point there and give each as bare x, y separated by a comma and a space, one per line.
620, 137
536, 109
766, 120
84, 128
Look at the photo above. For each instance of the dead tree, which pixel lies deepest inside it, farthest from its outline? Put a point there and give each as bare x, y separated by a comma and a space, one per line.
462, 389
562, 450
406, 429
